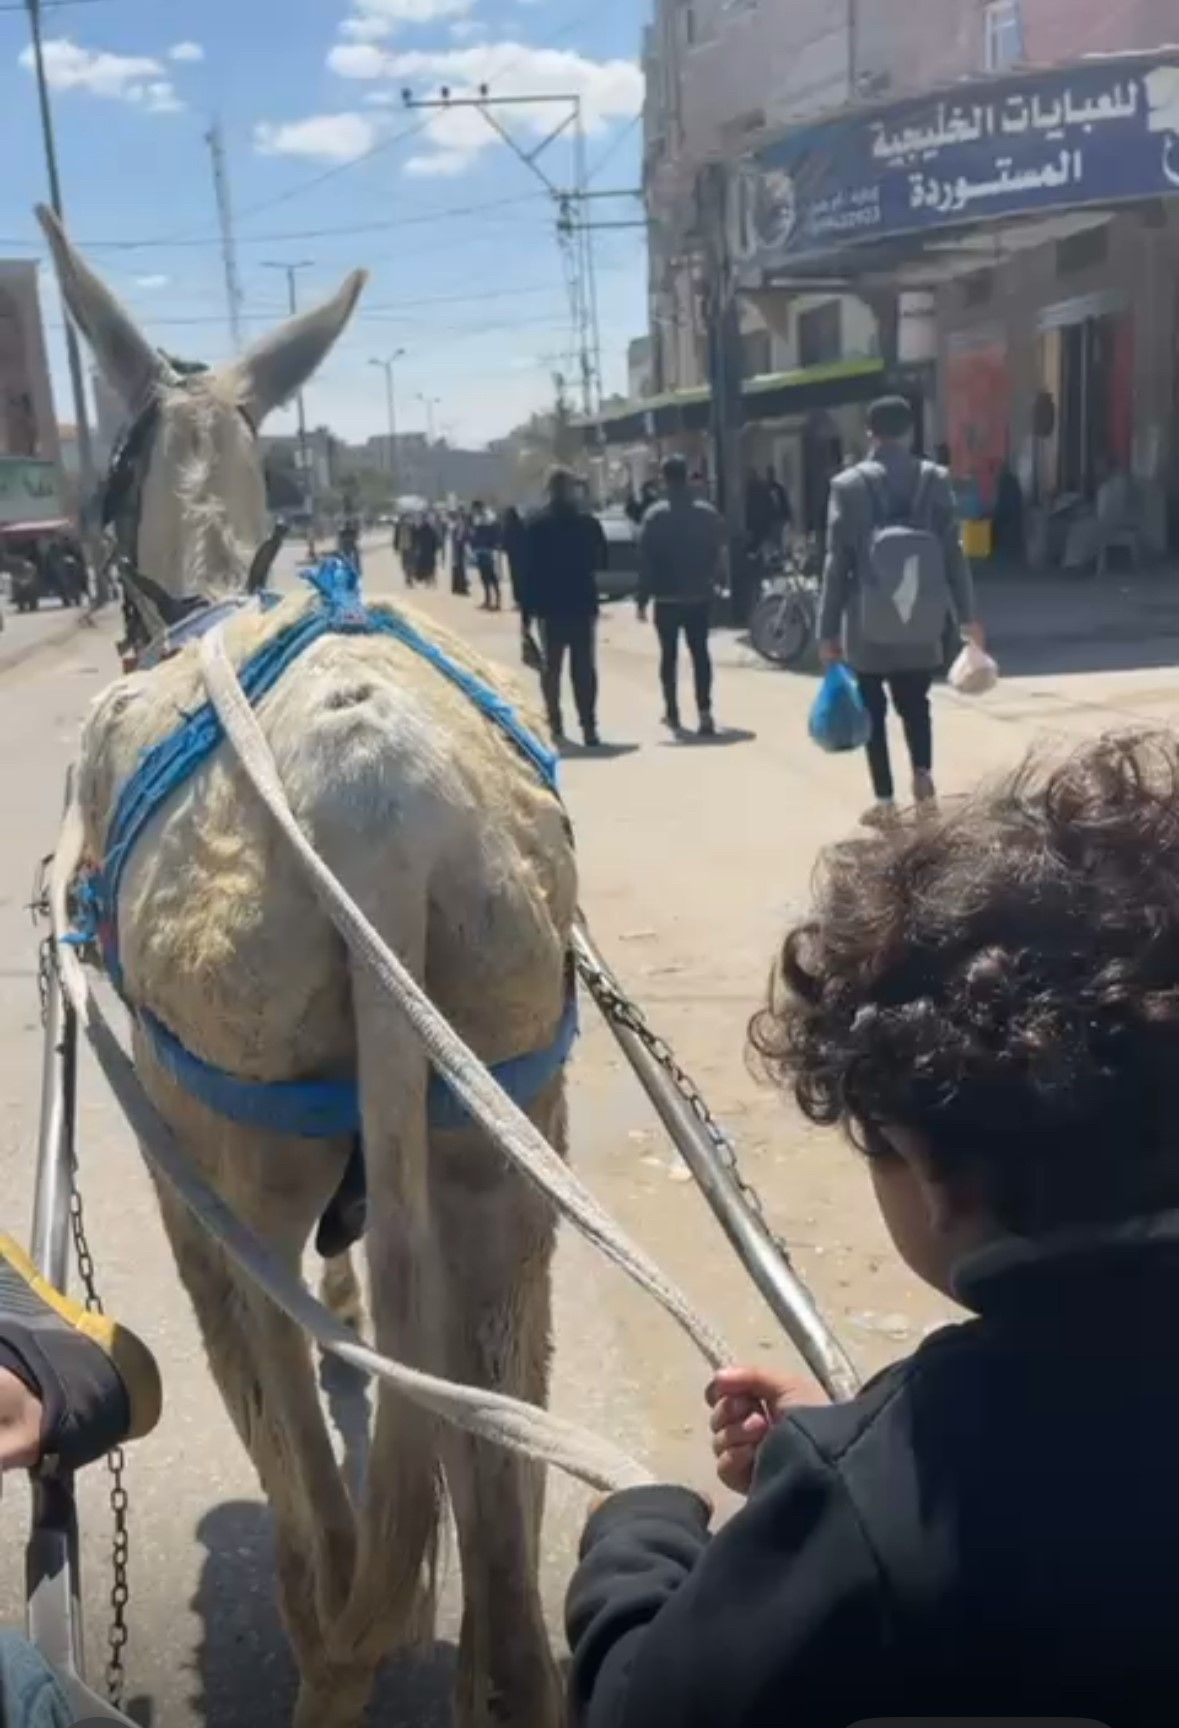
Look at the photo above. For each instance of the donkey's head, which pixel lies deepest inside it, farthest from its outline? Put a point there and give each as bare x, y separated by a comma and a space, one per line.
194, 503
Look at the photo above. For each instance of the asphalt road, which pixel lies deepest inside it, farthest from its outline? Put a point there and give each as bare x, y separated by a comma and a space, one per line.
693, 858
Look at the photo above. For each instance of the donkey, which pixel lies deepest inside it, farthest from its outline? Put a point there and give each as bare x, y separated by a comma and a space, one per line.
458, 853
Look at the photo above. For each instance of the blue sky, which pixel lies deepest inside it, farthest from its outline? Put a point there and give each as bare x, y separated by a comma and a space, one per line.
326, 165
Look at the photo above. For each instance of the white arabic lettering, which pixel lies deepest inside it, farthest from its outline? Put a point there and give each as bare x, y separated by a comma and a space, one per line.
1013, 117
947, 197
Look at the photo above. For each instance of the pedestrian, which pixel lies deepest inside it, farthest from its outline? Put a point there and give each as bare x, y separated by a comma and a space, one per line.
681, 565
512, 539
484, 549
759, 513
348, 543
990, 1008
427, 542
564, 549
781, 515
458, 553
894, 569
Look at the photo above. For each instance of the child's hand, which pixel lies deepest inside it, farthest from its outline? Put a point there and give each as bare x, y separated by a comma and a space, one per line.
746, 1402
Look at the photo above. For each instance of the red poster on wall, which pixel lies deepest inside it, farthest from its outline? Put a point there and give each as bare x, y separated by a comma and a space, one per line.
978, 415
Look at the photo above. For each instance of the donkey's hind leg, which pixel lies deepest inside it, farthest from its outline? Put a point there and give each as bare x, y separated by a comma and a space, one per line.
263, 1367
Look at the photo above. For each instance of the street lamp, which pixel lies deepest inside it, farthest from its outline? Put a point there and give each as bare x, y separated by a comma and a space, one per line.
305, 469
432, 402
386, 367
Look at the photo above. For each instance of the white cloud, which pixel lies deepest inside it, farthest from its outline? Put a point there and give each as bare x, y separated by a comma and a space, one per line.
160, 98
152, 282
357, 60
610, 90
320, 137
134, 78
441, 164
374, 19
467, 29
186, 52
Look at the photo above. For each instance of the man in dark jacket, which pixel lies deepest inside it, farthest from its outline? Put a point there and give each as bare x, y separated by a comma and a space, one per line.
681, 561
564, 548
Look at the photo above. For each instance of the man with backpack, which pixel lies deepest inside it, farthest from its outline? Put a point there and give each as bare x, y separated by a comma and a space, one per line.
895, 567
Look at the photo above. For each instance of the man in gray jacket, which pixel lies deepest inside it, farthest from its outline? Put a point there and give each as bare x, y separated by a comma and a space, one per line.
681, 561
893, 487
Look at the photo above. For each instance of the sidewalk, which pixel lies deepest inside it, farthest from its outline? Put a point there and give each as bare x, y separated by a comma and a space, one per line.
1024, 606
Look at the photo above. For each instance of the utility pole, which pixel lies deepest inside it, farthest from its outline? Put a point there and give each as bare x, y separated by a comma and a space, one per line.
853, 55
233, 288
305, 467
386, 367
86, 474
574, 229
431, 403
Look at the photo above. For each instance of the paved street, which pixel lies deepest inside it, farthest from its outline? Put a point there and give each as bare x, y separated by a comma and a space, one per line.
693, 858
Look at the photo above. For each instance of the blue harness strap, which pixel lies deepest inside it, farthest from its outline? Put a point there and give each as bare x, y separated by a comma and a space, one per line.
314, 1109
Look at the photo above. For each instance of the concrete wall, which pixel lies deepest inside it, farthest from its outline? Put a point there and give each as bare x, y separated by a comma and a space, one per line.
910, 45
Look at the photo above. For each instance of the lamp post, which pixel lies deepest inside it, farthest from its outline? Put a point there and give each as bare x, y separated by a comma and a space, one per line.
431, 402
86, 475
305, 469
386, 367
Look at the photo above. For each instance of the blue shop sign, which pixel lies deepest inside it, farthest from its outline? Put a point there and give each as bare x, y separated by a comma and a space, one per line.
1099, 132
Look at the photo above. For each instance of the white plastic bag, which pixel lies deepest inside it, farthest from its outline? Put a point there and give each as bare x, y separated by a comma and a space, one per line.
973, 672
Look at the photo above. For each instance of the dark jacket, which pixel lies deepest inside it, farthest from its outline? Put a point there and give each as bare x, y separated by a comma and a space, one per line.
991, 1529
850, 523
564, 548
681, 550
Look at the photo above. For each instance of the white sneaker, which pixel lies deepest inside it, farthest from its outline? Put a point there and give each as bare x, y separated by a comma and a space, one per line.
882, 814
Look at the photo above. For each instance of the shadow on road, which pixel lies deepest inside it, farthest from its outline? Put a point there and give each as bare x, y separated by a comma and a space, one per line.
724, 735
245, 1672
595, 752
1134, 651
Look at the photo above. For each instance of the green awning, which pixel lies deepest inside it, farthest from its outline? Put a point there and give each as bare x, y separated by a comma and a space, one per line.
770, 396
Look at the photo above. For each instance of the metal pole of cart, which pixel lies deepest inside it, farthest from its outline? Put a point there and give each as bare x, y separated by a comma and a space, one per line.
52, 1570
763, 1258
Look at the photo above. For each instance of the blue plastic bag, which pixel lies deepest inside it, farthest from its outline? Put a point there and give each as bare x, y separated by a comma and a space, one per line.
839, 720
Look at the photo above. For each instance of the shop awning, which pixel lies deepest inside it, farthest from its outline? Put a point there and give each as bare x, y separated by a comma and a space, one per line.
771, 396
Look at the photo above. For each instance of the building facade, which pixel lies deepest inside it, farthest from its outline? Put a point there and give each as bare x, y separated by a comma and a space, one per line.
1047, 349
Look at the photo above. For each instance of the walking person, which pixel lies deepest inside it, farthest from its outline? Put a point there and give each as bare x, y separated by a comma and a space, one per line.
459, 531
512, 540
894, 569
564, 548
681, 563
484, 543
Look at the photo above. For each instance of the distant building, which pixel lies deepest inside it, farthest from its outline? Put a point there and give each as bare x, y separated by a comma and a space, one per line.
30, 475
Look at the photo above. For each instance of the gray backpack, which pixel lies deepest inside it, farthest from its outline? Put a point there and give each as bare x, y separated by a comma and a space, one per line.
903, 591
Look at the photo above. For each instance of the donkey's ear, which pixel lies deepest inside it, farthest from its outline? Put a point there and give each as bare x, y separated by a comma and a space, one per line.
274, 369
128, 361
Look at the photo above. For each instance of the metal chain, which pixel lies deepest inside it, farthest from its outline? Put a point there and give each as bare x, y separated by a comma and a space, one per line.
622, 1011
118, 1632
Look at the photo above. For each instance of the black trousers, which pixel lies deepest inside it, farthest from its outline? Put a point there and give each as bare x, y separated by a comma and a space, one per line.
489, 576
910, 698
692, 617
578, 636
